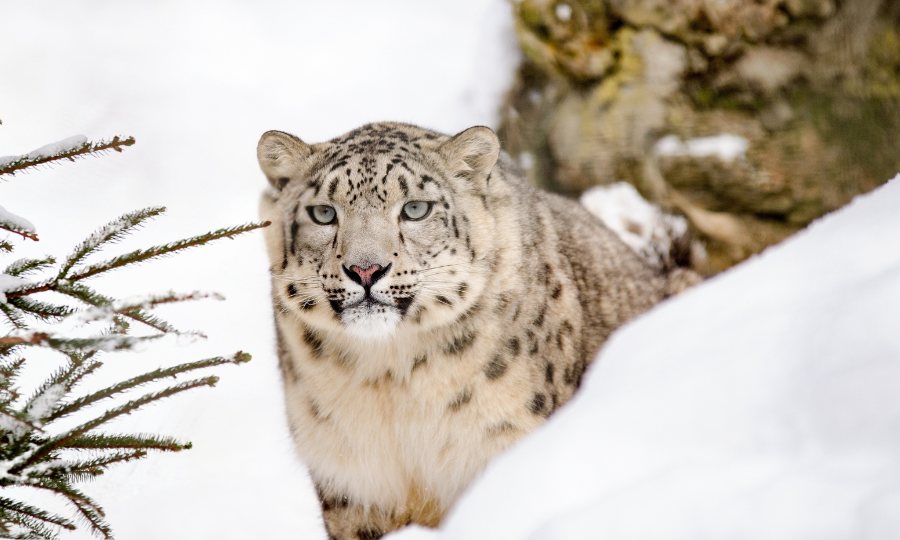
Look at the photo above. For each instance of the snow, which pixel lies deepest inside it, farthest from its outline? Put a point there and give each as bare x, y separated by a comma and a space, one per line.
725, 146
21, 223
644, 227
733, 406
105, 314
196, 83
45, 402
8, 283
761, 404
52, 149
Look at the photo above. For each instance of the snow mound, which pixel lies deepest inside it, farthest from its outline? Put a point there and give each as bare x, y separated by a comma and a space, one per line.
643, 227
761, 404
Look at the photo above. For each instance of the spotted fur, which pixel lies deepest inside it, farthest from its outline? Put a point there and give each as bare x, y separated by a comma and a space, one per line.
491, 309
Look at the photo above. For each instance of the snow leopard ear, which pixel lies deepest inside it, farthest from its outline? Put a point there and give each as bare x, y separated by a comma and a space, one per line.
472, 153
281, 156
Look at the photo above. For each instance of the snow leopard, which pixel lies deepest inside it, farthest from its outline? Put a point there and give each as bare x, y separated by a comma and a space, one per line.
431, 308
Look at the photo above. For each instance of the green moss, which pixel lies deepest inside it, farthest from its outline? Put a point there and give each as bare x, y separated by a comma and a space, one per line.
882, 69
862, 131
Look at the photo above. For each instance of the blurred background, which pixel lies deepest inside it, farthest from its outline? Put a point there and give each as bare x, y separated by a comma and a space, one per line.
749, 118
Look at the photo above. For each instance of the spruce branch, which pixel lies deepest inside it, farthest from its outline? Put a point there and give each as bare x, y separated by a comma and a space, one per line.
88, 509
107, 442
11, 506
89, 468
23, 267
17, 228
64, 345
142, 255
39, 309
136, 256
151, 376
111, 232
48, 154
61, 441
105, 303
17, 320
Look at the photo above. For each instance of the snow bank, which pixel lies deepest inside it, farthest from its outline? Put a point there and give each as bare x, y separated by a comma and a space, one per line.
762, 404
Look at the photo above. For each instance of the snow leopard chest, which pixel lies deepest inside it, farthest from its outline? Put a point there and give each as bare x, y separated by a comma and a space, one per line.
395, 441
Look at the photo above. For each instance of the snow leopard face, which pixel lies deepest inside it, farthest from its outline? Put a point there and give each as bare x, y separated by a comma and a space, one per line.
379, 229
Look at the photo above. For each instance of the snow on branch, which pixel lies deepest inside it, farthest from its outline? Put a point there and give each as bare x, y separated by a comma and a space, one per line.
69, 148
17, 224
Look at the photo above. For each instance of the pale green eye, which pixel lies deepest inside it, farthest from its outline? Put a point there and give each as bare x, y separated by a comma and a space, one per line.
322, 214
416, 210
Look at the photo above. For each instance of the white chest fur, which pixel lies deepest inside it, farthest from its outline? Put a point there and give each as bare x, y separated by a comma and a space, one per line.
424, 432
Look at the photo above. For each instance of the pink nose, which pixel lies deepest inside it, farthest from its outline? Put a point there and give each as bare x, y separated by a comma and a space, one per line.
365, 274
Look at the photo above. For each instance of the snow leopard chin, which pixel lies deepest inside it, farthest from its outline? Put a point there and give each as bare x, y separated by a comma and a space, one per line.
364, 323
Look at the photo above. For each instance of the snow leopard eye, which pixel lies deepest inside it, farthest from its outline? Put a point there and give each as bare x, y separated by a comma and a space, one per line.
416, 210
322, 214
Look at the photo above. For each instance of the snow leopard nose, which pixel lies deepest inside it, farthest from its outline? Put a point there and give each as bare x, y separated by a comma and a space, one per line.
366, 276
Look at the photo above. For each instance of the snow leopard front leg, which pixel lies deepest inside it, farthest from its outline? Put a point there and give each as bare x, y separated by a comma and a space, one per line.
345, 520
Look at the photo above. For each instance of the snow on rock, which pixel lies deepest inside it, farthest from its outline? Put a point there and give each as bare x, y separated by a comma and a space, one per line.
640, 224
563, 11
725, 146
761, 404
66, 145
21, 223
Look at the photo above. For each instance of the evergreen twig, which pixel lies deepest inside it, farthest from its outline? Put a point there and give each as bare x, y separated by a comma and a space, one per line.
87, 148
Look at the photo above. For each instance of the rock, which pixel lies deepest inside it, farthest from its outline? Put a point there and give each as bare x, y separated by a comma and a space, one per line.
812, 86
766, 69
591, 132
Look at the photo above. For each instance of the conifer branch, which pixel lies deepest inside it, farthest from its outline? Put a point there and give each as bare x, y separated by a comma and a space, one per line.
39, 309
151, 376
34, 452
23, 267
107, 442
141, 255
93, 298
61, 441
16, 319
111, 232
41, 156
82, 503
136, 256
14, 228
9, 505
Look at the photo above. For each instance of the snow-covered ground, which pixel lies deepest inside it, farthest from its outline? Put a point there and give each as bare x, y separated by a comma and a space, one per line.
762, 404
197, 83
